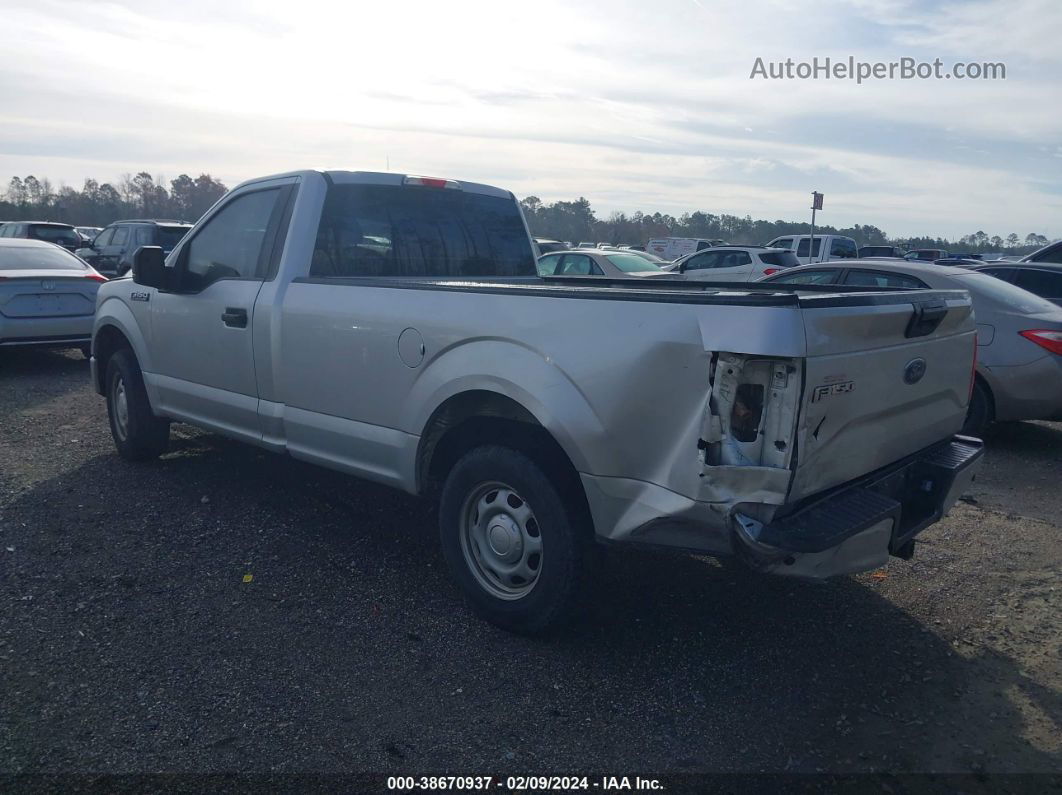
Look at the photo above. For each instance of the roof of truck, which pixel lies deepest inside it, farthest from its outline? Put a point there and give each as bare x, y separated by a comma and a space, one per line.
381, 178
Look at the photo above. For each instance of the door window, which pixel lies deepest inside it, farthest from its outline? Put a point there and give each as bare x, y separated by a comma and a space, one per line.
575, 265
802, 247
121, 234
1053, 254
229, 245
1042, 282
718, 259
807, 277
881, 279
783, 242
104, 237
843, 248
547, 266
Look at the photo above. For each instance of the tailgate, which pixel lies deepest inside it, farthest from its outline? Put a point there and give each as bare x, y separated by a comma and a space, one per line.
887, 374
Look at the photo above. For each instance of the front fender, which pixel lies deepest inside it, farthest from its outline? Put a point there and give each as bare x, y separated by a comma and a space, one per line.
113, 311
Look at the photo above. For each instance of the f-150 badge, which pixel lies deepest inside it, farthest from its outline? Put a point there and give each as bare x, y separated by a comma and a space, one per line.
138, 296
826, 390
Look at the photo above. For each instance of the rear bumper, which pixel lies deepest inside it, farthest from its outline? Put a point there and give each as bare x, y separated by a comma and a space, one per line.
1030, 391
44, 331
855, 527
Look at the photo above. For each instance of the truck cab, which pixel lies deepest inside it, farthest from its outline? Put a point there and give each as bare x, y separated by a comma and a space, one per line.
824, 249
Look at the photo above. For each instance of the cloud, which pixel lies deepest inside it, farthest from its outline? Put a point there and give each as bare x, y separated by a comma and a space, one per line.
634, 106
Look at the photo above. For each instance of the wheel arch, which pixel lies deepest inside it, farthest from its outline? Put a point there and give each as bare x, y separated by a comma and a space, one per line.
108, 340
478, 417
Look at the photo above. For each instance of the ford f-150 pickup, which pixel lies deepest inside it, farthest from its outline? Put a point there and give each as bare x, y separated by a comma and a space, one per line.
394, 327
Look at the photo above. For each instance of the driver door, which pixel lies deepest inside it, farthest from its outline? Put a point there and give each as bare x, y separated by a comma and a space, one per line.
203, 357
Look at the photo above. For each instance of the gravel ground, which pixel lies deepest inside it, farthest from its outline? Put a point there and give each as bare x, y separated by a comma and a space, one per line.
130, 640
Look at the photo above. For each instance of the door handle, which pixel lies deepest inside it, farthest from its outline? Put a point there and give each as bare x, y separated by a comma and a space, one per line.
232, 316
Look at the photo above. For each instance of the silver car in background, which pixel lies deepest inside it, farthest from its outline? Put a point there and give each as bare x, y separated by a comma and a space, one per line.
47, 296
1019, 335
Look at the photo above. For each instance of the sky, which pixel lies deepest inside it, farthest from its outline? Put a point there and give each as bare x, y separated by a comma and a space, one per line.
634, 105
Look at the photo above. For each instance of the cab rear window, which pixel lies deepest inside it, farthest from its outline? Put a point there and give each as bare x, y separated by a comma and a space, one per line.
390, 231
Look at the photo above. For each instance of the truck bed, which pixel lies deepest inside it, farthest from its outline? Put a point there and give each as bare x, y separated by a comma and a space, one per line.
661, 290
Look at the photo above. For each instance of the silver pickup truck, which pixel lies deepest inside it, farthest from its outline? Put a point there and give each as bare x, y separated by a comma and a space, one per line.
394, 327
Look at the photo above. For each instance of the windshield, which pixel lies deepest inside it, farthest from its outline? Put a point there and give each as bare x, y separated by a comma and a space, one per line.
55, 234
43, 258
631, 263
170, 236
1006, 294
650, 257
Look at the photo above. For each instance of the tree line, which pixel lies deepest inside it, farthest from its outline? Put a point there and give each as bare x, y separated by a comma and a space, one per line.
98, 204
144, 196
575, 221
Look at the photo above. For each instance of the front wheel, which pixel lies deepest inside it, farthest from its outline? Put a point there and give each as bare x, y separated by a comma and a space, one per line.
138, 434
511, 541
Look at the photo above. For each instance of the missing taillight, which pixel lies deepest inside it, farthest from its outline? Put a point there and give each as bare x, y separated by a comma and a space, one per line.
747, 412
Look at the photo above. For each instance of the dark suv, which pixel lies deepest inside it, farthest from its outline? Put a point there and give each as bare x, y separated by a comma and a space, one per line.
61, 234
111, 251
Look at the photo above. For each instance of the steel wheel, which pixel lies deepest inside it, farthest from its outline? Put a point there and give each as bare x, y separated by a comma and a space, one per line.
501, 541
121, 408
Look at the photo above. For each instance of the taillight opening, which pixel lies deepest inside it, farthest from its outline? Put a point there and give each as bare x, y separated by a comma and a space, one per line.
96, 277
769, 271
1046, 338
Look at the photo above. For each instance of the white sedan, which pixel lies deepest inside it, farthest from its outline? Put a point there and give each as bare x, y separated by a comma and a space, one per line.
47, 296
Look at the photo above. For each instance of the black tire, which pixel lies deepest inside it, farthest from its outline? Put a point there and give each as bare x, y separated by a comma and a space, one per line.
564, 541
979, 413
141, 436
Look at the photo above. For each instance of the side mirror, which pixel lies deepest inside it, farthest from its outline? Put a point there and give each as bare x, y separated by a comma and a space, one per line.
149, 268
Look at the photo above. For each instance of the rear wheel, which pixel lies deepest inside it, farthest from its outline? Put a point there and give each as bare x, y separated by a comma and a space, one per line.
138, 434
511, 541
979, 413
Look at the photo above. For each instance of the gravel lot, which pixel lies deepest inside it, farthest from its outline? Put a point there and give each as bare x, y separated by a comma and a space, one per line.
130, 641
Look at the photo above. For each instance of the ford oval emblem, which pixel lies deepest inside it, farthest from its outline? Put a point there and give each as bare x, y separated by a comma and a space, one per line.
914, 370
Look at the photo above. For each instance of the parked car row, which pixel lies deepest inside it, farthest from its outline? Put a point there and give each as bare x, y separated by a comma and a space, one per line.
110, 249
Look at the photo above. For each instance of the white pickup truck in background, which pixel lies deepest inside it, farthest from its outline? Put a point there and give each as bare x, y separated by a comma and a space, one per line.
394, 327
825, 248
